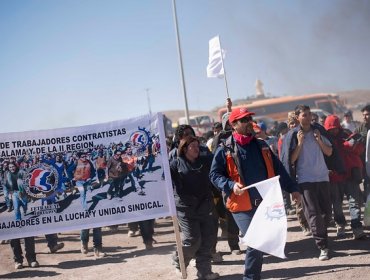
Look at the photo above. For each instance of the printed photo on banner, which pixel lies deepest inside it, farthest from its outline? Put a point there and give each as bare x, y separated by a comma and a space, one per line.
83, 177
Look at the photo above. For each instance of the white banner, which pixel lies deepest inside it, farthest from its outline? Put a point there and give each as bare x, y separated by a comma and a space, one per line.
268, 229
72, 178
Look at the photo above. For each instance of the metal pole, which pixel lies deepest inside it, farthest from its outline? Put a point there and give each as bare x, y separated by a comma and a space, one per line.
180, 61
148, 97
223, 65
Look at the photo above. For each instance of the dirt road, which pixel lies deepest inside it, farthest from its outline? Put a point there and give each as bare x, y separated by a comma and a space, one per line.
128, 259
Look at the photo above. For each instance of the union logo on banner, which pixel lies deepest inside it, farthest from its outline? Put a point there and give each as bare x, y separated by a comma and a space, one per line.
140, 139
41, 180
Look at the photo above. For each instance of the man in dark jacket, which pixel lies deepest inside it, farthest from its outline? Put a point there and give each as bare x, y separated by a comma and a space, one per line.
363, 129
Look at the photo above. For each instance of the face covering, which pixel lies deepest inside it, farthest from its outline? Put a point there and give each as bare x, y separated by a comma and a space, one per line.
242, 139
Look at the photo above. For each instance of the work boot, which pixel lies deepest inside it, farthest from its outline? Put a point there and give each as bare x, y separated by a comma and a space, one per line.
358, 233
84, 248
217, 257
341, 231
98, 253
209, 276
56, 248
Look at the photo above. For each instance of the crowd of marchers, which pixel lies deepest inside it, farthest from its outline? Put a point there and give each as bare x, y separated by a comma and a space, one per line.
320, 161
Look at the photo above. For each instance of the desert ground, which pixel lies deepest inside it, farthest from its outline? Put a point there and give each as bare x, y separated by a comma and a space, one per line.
127, 258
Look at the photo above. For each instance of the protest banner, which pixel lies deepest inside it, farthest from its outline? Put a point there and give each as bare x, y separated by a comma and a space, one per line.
84, 177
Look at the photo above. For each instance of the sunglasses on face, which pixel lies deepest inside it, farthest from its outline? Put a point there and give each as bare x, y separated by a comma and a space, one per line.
245, 119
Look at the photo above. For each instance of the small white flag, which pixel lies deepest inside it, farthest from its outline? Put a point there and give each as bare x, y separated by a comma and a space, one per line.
215, 68
267, 231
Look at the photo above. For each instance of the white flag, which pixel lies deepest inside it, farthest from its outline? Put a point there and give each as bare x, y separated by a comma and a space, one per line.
268, 229
215, 68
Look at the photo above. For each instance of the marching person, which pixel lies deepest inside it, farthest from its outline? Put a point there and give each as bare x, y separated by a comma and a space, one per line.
305, 155
194, 205
363, 130
348, 182
244, 160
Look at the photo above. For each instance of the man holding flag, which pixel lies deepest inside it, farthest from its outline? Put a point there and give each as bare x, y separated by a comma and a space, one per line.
244, 161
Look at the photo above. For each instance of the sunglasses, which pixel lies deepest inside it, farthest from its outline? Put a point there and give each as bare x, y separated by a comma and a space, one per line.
245, 119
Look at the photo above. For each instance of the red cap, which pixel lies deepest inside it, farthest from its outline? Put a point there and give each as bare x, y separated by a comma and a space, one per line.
239, 113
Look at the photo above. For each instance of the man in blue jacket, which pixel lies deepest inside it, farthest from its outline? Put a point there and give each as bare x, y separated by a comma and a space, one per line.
242, 161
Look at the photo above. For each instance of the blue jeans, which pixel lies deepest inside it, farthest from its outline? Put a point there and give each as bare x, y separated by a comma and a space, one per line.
82, 187
7, 198
353, 193
19, 202
97, 237
253, 257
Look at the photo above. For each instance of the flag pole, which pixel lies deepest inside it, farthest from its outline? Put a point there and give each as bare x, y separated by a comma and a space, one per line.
223, 65
180, 61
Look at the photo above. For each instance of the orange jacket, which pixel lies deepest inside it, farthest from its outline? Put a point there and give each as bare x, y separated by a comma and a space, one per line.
238, 203
83, 171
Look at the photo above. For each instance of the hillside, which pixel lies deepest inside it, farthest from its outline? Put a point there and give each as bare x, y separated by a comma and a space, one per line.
354, 99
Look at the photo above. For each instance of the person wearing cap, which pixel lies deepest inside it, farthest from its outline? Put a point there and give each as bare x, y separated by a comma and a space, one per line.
348, 182
228, 225
243, 161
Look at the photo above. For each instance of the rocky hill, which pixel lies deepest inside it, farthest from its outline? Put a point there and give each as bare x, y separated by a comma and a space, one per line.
354, 99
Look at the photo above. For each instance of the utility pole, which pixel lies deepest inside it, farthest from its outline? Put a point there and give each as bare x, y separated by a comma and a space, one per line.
148, 98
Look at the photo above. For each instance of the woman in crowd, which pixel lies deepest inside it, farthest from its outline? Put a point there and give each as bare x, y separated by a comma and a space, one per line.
194, 205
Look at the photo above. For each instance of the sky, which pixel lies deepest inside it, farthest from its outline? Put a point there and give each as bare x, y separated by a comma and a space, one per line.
66, 63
